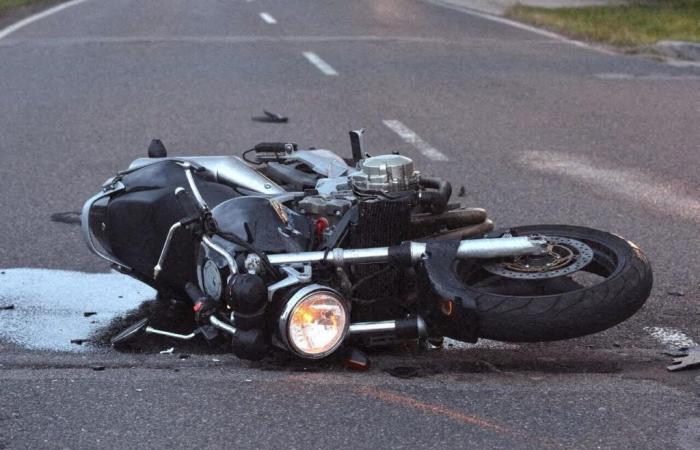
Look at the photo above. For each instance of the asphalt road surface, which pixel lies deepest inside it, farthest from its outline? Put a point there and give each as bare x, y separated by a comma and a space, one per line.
536, 129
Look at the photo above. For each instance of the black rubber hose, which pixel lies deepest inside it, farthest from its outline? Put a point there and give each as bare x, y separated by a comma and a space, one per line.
436, 200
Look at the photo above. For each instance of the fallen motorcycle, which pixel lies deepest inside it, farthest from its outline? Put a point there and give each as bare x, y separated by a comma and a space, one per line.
305, 251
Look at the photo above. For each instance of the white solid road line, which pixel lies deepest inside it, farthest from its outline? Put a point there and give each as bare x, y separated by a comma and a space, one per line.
268, 18
320, 64
651, 76
31, 19
412, 138
632, 185
670, 337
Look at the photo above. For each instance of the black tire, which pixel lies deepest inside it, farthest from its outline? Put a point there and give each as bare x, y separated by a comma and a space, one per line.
566, 310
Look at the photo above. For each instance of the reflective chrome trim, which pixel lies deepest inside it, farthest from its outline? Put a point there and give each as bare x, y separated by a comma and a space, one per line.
183, 337
85, 223
193, 187
229, 259
293, 277
229, 170
221, 325
293, 301
385, 326
166, 246
469, 248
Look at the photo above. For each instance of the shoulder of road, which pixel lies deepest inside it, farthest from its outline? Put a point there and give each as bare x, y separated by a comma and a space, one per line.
670, 30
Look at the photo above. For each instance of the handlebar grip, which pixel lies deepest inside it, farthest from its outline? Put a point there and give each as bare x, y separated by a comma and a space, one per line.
193, 292
275, 147
187, 202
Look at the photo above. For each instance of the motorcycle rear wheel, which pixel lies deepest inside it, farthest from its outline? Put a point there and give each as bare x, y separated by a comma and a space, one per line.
606, 291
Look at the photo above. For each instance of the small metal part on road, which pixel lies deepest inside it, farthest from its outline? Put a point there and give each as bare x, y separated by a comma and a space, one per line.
690, 360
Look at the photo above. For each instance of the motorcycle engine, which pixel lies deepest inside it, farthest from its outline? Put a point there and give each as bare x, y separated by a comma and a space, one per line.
385, 173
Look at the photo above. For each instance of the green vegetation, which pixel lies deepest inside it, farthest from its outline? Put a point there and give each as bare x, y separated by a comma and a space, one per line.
9, 4
637, 23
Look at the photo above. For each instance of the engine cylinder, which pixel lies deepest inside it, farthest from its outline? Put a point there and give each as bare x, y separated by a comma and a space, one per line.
385, 173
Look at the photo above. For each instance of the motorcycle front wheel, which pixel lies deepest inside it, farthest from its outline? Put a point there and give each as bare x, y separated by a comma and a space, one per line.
588, 281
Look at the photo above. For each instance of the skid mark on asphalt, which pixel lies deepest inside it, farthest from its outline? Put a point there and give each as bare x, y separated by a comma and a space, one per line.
671, 337
31, 19
629, 184
410, 137
453, 414
406, 401
50, 305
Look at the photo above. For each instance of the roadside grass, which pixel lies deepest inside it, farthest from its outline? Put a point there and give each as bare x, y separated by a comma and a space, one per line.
9, 4
635, 24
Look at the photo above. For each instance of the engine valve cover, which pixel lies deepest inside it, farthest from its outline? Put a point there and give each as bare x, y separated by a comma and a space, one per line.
385, 173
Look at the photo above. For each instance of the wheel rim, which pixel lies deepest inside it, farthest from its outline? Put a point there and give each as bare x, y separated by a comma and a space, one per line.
580, 263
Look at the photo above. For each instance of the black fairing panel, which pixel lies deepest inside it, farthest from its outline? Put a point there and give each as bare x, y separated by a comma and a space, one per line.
139, 217
254, 220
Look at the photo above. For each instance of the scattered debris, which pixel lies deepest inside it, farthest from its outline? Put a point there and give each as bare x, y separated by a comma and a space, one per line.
676, 352
98, 368
89, 313
690, 359
7, 307
184, 356
354, 359
70, 217
403, 372
676, 293
271, 118
462, 192
79, 341
168, 351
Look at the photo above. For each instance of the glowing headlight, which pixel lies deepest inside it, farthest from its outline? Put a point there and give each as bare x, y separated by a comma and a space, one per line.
314, 321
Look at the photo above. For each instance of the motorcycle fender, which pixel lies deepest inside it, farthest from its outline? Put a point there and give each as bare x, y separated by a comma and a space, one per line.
453, 312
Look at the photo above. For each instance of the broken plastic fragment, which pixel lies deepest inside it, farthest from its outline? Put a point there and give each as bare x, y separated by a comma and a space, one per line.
271, 118
689, 360
70, 217
168, 351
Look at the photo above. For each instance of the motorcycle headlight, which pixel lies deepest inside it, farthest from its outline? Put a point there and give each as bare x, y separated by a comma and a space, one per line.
314, 321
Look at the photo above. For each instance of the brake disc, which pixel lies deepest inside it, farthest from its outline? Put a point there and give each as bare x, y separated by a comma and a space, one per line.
563, 256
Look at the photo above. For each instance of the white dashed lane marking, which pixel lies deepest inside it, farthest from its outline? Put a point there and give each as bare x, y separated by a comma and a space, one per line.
320, 64
268, 18
410, 137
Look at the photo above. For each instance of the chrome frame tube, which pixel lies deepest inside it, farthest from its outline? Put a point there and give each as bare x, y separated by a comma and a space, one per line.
193, 187
364, 328
229, 259
469, 248
221, 325
166, 246
182, 337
